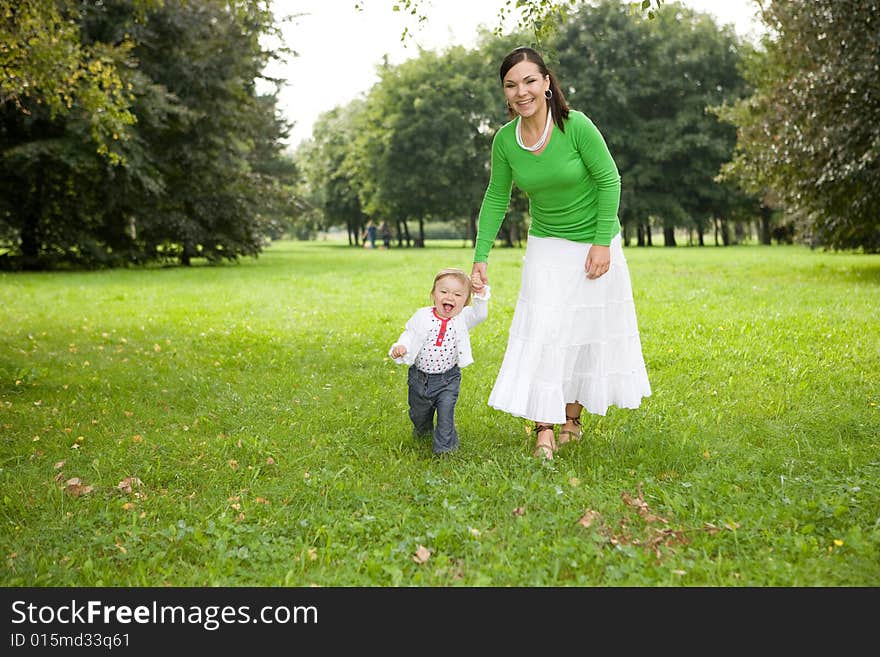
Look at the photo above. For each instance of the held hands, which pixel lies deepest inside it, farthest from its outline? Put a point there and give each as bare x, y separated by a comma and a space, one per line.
598, 261
479, 277
398, 351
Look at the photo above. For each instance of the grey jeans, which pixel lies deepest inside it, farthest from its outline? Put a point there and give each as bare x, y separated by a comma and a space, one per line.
434, 392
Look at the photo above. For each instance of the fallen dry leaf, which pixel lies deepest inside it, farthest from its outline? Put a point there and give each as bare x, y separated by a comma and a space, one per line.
519, 511
59, 465
127, 484
74, 486
422, 555
589, 517
641, 506
128, 506
270, 461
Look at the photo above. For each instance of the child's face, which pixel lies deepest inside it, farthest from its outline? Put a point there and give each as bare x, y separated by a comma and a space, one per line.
450, 295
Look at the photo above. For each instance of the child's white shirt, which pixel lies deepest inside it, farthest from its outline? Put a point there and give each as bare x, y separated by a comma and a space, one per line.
417, 333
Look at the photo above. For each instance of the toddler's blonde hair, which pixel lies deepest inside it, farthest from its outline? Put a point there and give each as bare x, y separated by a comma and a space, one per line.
460, 275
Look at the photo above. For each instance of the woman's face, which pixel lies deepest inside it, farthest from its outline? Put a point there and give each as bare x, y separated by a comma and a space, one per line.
524, 87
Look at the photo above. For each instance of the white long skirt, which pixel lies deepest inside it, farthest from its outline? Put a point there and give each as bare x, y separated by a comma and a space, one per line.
571, 339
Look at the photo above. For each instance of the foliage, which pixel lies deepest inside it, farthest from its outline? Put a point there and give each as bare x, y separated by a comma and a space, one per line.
45, 62
271, 440
420, 149
647, 84
426, 127
329, 175
541, 18
810, 134
199, 174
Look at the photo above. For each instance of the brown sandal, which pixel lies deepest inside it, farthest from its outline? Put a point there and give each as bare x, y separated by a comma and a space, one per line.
542, 449
572, 435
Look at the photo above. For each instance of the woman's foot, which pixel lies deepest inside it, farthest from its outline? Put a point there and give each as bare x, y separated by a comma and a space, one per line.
571, 430
545, 443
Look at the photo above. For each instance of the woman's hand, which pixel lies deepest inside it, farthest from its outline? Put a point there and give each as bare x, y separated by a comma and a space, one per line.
598, 261
479, 276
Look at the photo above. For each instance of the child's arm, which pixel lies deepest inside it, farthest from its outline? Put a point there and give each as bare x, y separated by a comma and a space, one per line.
405, 350
478, 311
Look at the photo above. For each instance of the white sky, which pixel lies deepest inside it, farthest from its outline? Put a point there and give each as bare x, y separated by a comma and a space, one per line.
339, 47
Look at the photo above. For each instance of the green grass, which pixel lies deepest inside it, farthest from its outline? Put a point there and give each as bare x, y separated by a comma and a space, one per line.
256, 405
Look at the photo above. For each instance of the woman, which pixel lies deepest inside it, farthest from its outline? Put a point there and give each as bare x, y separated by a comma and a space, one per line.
574, 341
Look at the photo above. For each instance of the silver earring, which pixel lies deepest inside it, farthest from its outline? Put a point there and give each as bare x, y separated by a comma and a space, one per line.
548, 94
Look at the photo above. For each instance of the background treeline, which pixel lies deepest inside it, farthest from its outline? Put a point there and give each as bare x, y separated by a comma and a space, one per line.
417, 147
145, 138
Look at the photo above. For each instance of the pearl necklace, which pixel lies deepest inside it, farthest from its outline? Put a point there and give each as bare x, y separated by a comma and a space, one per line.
540, 143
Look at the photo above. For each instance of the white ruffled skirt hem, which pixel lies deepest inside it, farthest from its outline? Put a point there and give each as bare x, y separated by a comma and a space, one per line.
571, 339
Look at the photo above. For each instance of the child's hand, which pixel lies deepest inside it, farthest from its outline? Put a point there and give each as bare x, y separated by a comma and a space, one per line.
398, 351
479, 277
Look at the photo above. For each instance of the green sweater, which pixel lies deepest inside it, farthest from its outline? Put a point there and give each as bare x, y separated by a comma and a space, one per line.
573, 185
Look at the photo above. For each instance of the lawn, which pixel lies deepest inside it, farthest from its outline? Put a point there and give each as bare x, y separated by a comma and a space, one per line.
241, 425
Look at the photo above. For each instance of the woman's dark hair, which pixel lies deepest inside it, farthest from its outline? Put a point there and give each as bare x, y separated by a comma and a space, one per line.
557, 103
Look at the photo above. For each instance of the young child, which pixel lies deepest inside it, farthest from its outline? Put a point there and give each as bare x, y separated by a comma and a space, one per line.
435, 344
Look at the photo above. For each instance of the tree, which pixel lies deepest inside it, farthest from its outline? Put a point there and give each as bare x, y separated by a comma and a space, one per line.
423, 139
330, 177
200, 173
810, 133
647, 85
44, 62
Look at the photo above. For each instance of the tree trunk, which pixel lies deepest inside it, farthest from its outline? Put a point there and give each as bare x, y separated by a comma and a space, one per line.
764, 220
725, 232
668, 236
30, 241
640, 234
473, 228
505, 231
421, 241
30, 230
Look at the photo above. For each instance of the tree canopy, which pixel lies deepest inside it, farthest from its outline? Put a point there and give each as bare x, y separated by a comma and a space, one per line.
809, 135
195, 170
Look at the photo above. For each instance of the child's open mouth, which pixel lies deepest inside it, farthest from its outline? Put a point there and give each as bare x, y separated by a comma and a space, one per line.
447, 308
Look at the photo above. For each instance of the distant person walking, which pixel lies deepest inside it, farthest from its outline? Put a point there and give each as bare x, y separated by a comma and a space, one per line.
385, 234
369, 236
